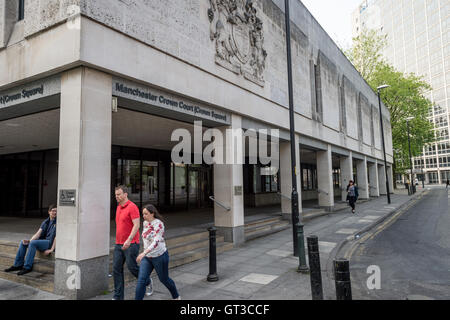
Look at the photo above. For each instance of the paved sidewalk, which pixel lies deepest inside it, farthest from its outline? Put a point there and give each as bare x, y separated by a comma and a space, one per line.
261, 269
264, 268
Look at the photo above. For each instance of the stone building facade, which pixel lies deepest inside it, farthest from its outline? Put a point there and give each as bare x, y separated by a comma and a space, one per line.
93, 89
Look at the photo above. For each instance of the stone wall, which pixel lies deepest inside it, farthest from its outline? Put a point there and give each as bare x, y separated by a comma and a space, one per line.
181, 29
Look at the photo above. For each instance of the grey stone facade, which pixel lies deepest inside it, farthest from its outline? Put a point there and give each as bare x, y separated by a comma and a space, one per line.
181, 29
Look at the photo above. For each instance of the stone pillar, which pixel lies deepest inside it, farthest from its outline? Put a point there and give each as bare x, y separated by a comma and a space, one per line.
286, 178
228, 188
83, 230
363, 184
382, 179
374, 181
325, 179
391, 179
346, 164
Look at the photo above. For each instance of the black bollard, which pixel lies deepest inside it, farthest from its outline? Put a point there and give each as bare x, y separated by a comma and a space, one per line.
302, 266
212, 276
314, 265
342, 279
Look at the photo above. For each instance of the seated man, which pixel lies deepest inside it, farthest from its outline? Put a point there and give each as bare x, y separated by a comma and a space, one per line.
43, 240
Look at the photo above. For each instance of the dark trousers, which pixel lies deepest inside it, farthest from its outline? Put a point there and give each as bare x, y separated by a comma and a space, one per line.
352, 202
161, 265
120, 257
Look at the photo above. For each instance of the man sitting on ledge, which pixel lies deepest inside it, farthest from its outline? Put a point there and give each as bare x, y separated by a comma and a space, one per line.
43, 240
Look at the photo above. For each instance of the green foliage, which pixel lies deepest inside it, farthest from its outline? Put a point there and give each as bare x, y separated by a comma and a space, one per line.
404, 98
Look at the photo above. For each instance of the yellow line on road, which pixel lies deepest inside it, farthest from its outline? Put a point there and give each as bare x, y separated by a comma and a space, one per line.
371, 235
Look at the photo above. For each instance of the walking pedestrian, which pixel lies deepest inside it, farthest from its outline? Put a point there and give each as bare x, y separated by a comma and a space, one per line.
352, 194
127, 242
155, 255
448, 184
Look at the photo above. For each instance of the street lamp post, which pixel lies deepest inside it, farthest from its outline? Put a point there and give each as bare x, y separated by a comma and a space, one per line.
382, 139
410, 158
298, 241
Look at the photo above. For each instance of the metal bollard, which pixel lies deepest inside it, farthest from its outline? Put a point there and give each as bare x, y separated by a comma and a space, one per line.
212, 276
342, 279
314, 265
303, 268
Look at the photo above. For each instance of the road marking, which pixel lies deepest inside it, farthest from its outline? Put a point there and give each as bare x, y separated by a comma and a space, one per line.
365, 221
372, 234
259, 278
326, 247
347, 231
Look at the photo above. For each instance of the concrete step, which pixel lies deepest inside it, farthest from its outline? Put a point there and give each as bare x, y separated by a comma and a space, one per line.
197, 254
173, 242
8, 247
264, 230
42, 266
263, 222
11, 248
202, 243
41, 281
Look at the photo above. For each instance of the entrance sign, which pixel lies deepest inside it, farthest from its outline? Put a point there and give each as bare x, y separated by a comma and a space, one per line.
31, 91
167, 101
67, 198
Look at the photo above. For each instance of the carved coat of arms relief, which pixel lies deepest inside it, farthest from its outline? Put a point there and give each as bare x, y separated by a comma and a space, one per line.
239, 38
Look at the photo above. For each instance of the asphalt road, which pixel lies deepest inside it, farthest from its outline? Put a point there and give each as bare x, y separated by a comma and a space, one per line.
413, 255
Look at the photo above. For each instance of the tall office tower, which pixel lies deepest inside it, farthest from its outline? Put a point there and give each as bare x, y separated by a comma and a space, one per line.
418, 41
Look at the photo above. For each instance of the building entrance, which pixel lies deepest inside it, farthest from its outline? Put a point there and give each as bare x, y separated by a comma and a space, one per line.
152, 178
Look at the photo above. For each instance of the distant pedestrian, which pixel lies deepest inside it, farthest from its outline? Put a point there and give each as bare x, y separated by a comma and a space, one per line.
352, 195
448, 184
155, 255
407, 187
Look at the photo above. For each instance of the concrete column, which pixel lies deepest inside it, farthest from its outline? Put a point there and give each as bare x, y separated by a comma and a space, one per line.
228, 187
83, 230
325, 179
363, 184
374, 181
286, 177
346, 164
382, 179
391, 179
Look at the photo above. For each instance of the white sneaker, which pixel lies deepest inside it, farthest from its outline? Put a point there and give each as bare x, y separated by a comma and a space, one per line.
150, 288
179, 298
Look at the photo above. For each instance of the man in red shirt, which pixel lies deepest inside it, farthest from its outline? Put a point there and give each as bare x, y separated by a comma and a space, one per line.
127, 240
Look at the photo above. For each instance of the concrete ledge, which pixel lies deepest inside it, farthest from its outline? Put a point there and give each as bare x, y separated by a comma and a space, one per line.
77, 280
235, 235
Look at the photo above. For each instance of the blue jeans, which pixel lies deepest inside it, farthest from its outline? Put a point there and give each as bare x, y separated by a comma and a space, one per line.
34, 245
120, 257
161, 265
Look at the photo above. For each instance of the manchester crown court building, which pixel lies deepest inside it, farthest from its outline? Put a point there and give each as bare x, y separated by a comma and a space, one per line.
92, 90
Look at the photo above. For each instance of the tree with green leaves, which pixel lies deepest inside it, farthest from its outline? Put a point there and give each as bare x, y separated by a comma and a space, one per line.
405, 98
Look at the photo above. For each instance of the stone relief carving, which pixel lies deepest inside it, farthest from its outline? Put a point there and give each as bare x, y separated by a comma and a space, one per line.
239, 38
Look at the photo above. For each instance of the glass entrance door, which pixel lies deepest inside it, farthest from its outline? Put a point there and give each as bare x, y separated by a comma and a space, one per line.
149, 183
200, 186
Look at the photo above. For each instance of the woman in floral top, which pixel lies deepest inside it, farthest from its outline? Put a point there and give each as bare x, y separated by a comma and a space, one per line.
155, 255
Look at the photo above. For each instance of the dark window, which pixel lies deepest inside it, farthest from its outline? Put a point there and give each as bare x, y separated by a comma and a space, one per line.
318, 86
21, 10
309, 177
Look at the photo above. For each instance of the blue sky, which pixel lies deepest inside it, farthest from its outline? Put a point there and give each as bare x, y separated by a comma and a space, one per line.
335, 17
